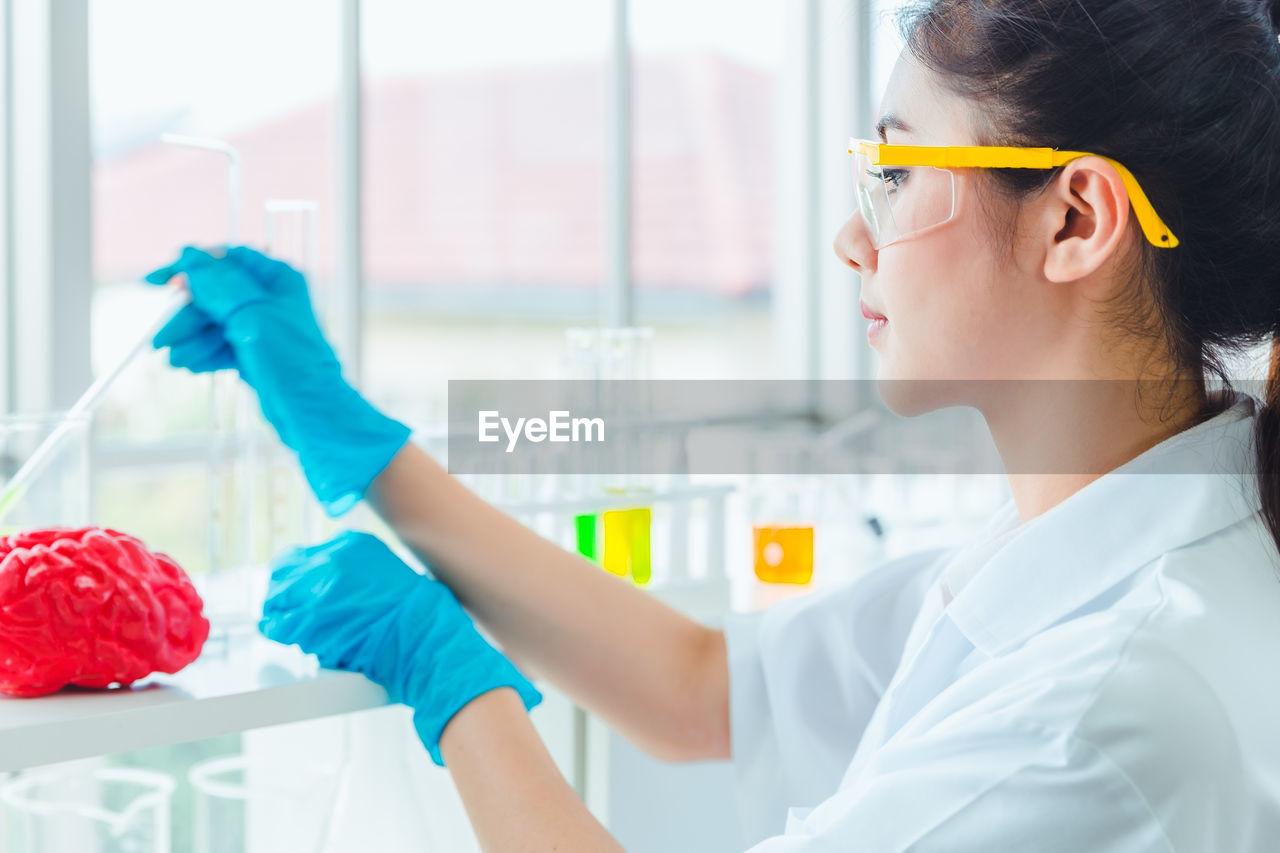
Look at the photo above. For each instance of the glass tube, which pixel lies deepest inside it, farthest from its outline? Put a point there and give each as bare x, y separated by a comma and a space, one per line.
607, 361
292, 517
229, 420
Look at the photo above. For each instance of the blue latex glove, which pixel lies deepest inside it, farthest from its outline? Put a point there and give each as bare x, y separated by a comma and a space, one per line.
251, 312
356, 606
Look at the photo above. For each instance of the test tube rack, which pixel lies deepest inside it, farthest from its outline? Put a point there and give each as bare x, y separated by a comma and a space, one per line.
688, 519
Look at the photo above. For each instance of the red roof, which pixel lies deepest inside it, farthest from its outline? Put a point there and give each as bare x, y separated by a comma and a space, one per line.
489, 178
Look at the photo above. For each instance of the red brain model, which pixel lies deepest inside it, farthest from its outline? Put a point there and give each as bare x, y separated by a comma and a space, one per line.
92, 607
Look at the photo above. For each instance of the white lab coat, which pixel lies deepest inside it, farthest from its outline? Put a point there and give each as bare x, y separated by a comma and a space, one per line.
1108, 680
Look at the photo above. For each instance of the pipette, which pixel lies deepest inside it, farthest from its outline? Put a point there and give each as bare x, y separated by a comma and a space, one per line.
18, 484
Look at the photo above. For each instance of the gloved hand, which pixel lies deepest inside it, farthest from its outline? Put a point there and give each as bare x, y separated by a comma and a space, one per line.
357, 606
251, 312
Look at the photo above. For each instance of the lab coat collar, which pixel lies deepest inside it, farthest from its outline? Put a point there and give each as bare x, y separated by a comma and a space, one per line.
1113, 526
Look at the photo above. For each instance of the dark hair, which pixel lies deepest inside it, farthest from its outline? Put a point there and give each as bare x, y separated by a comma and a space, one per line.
1185, 94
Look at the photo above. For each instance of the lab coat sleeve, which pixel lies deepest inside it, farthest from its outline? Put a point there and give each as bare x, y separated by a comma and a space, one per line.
804, 677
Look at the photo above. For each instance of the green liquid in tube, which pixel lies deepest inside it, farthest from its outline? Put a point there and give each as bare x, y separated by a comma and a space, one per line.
585, 528
9, 497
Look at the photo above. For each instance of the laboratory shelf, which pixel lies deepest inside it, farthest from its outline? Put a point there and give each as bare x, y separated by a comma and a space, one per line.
246, 682
243, 681
237, 684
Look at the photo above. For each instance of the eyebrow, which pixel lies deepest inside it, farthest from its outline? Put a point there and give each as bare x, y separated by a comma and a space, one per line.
889, 120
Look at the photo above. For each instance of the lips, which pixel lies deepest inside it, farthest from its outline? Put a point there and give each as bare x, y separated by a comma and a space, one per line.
869, 314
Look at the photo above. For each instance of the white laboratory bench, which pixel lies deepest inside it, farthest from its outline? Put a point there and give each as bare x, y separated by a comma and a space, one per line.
238, 683
246, 683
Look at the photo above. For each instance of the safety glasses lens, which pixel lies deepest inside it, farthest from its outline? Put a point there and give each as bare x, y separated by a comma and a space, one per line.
873, 201
898, 202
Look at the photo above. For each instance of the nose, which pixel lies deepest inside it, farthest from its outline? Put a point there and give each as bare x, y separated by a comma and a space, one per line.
853, 245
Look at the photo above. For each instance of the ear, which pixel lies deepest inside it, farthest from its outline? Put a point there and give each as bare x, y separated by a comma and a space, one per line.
1085, 218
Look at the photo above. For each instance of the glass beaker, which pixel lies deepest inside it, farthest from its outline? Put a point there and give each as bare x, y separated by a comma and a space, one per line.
44, 484
784, 512
784, 501
284, 791
221, 800
96, 810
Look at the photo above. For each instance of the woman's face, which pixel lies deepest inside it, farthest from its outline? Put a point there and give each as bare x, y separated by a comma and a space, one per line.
954, 310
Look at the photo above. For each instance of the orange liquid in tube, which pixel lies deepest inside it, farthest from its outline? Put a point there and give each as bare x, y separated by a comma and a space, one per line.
783, 553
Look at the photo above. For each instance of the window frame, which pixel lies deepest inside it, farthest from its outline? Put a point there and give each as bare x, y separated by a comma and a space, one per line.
47, 204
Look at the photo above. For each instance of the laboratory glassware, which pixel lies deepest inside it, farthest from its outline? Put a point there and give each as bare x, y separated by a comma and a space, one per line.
270, 801
221, 798
230, 419
102, 809
292, 516
53, 492
784, 509
261, 485
627, 543
605, 362
18, 482
602, 353
586, 535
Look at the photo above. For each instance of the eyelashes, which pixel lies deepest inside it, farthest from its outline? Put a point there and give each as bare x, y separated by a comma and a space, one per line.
894, 178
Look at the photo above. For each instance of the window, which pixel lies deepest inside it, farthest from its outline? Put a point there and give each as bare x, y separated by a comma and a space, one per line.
888, 45
704, 160
156, 95
487, 228
485, 146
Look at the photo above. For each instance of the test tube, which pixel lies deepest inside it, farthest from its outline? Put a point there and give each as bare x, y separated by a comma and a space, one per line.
228, 417
604, 356
290, 231
627, 550
717, 565
584, 525
626, 353
579, 363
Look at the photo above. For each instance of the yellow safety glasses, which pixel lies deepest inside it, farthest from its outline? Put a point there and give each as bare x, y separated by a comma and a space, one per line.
902, 203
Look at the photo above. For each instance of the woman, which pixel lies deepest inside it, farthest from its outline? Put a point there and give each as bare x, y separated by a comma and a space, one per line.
1094, 672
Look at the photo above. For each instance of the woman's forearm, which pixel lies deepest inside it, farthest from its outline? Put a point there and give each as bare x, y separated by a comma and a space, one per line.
658, 677
513, 792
